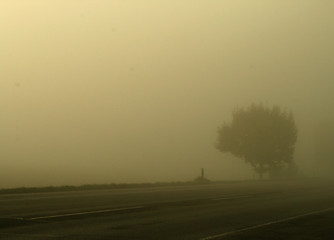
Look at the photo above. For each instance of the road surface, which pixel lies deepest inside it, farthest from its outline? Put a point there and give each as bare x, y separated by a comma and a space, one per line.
211, 211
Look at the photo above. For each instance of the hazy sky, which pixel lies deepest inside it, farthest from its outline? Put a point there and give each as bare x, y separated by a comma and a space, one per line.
101, 91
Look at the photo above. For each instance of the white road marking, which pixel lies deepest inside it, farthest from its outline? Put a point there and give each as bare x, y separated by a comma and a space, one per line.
85, 213
233, 197
222, 235
44, 236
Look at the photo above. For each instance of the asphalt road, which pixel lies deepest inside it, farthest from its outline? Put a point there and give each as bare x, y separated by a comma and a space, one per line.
212, 211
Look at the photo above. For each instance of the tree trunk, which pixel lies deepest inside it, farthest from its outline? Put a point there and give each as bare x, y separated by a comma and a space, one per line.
261, 171
260, 174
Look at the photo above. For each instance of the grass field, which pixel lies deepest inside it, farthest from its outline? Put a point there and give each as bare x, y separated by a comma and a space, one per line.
100, 187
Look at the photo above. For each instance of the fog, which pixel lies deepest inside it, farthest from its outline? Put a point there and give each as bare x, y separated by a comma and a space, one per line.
134, 91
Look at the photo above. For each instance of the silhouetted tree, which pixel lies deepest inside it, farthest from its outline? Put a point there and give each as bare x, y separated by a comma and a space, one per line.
263, 137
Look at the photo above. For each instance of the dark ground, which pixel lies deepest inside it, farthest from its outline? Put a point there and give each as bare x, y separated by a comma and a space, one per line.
182, 212
316, 227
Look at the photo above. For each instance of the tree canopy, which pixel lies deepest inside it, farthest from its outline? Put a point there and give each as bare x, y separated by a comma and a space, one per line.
264, 137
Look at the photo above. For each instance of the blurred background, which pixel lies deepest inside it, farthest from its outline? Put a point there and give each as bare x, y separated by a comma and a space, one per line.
133, 91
